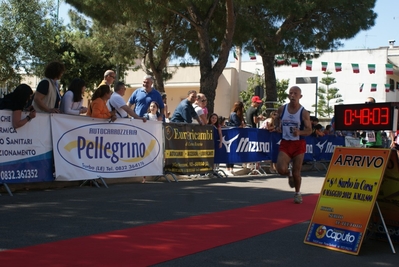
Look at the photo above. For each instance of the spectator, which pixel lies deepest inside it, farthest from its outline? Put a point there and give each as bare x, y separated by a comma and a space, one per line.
205, 108
185, 112
314, 121
117, 103
98, 107
222, 121
217, 130
72, 100
109, 78
152, 112
16, 101
47, 96
142, 97
252, 116
318, 130
236, 119
327, 130
332, 123
166, 111
198, 105
269, 123
214, 120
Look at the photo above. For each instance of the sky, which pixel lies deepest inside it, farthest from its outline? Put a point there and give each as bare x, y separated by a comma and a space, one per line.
386, 27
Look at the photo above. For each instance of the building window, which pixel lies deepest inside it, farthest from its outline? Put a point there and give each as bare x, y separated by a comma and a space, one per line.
392, 84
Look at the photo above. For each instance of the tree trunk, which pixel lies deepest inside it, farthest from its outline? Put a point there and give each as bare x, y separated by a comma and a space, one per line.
210, 74
270, 80
158, 83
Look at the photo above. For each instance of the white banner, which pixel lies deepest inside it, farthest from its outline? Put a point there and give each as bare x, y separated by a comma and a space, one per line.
352, 142
87, 148
26, 152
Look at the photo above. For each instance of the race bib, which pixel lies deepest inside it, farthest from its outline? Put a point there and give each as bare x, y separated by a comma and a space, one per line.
370, 136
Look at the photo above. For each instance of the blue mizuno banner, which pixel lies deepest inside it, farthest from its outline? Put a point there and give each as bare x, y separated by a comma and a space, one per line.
255, 145
243, 145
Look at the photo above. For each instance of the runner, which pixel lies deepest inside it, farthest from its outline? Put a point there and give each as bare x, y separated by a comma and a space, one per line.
294, 124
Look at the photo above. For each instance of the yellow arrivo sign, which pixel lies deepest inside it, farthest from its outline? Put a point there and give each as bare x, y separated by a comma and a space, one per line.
347, 198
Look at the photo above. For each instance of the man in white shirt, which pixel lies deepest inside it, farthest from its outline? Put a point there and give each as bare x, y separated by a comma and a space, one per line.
117, 103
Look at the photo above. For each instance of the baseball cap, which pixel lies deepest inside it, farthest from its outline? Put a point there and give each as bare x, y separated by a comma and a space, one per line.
256, 99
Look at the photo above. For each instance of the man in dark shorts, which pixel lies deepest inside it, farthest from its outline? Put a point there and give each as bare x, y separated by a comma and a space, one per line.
294, 123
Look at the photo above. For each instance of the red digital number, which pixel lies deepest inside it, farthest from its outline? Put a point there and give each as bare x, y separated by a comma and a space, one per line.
348, 117
385, 119
365, 116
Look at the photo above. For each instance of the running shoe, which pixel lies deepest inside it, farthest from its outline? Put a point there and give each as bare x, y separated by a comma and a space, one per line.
298, 199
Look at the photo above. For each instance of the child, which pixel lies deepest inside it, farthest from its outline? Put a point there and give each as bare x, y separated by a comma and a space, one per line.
152, 115
152, 112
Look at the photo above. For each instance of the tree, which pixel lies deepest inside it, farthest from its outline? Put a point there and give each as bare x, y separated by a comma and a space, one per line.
290, 28
30, 37
204, 28
257, 80
214, 23
153, 36
325, 95
87, 52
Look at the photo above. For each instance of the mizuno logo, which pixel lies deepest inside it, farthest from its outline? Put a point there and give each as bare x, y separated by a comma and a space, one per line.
227, 143
321, 146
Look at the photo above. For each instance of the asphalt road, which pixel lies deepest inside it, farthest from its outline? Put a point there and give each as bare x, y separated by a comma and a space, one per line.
40, 216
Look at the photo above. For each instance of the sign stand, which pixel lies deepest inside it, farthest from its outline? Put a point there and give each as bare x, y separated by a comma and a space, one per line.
171, 174
385, 227
7, 189
95, 182
102, 180
348, 196
165, 175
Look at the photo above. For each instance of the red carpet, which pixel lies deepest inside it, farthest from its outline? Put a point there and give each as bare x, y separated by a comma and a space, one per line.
155, 243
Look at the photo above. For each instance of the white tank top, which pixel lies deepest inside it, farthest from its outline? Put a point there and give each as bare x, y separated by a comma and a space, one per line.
289, 122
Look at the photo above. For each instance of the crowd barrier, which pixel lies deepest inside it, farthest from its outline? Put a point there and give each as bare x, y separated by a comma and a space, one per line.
256, 145
59, 147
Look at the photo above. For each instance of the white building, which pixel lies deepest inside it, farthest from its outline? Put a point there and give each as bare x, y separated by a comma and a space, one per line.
234, 78
347, 81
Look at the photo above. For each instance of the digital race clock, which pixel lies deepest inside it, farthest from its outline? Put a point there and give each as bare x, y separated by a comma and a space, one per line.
371, 116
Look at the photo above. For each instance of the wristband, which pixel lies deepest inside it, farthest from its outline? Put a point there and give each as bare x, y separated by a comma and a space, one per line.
28, 118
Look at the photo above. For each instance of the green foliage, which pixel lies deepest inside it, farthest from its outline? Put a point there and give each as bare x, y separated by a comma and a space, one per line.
153, 36
29, 38
87, 52
298, 29
258, 80
326, 96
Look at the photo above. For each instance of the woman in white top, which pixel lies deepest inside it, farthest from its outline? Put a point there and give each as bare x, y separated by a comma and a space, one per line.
72, 100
